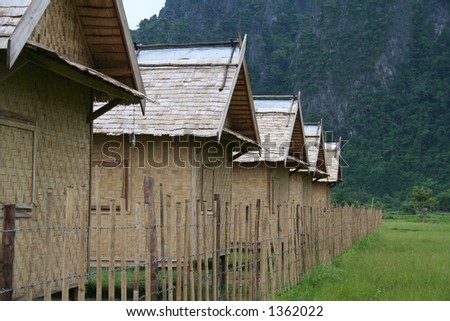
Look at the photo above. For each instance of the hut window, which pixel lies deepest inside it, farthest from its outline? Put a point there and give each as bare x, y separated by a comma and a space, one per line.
17, 163
207, 189
111, 181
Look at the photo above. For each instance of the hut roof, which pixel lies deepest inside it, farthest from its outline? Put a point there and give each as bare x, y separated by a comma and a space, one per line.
315, 145
105, 29
281, 128
333, 162
200, 89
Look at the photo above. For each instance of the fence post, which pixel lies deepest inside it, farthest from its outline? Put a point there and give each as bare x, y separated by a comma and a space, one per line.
256, 285
217, 276
149, 199
7, 262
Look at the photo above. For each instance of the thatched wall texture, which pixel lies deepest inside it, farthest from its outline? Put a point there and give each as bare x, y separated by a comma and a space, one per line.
57, 107
321, 195
60, 31
300, 188
181, 172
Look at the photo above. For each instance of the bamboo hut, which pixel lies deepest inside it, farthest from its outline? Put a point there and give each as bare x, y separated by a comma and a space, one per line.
56, 58
275, 175
334, 169
186, 141
320, 196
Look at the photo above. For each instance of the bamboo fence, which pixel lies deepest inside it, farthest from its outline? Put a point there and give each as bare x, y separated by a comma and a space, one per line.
240, 252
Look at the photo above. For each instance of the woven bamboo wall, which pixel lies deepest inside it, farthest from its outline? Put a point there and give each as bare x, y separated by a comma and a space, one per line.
250, 184
59, 29
264, 183
296, 187
59, 108
178, 181
16, 159
307, 191
321, 195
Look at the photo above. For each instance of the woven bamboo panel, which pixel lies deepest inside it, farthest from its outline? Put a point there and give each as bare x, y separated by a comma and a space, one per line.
59, 108
16, 165
321, 195
59, 30
250, 184
296, 188
176, 180
307, 191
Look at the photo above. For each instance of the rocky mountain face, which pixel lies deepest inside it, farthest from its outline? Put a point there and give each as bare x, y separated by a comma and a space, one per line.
376, 72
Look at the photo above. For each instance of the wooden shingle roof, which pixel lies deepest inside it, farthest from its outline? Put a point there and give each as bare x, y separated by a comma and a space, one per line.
103, 26
200, 89
333, 162
11, 12
281, 129
315, 145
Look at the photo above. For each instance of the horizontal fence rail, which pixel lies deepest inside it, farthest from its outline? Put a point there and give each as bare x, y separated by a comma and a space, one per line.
167, 249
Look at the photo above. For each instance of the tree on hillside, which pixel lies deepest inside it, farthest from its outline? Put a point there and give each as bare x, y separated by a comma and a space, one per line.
443, 199
422, 201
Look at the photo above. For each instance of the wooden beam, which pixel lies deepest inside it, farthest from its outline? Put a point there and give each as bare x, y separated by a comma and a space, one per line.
8, 73
149, 199
137, 78
104, 109
24, 29
7, 257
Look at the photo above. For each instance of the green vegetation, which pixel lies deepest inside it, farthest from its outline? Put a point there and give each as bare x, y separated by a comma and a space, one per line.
401, 261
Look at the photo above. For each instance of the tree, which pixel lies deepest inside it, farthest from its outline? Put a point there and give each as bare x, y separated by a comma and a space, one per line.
443, 199
422, 200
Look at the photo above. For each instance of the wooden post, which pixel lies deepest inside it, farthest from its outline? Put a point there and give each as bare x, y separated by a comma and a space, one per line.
240, 250
220, 259
49, 247
227, 251
189, 227
163, 243
272, 269
179, 253
112, 253
206, 244
124, 243
98, 214
149, 198
66, 243
263, 254
256, 250
84, 245
186, 253
170, 248
8, 241
199, 255
215, 254
235, 254
247, 239
137, 252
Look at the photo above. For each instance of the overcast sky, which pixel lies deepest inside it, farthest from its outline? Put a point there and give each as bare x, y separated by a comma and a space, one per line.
138, 10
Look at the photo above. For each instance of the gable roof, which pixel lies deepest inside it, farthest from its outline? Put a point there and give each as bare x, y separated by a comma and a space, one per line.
104, 27
333, 162
315, 145
200, 90
281, 128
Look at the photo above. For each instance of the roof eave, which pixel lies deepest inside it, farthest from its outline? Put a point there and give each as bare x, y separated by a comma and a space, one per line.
137, 77
89, 77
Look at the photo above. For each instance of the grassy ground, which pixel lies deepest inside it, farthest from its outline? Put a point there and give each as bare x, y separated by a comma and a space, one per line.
403, 260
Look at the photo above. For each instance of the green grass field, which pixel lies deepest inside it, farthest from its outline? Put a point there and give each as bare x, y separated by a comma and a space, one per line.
403, 260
